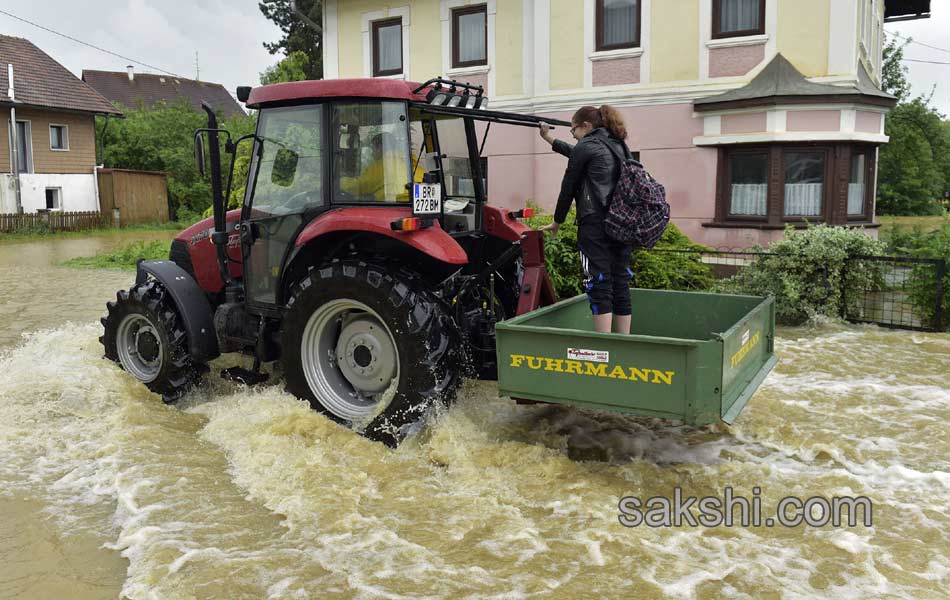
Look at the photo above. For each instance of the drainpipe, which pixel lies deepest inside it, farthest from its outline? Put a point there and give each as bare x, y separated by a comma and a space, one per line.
14, 145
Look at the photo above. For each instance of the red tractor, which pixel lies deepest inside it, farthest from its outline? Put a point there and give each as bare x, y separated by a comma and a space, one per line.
364, 257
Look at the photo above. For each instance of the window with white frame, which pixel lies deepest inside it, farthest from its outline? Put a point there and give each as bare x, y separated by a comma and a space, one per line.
387, 47
618, 24
470, 36
58, 137
54, 198
734, 18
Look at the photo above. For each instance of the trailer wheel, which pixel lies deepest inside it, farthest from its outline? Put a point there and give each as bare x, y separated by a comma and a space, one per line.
369, 347
144, 334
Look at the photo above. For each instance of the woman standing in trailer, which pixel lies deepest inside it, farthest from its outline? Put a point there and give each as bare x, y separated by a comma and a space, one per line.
592, 173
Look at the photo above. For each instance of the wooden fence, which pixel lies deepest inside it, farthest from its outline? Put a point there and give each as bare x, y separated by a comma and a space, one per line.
53, 220
130, 197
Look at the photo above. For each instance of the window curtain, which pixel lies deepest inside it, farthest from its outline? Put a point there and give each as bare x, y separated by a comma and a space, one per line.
738, 15
472, 37
620, 22
855, 198
803, 199
390, 48
856, 185
749, 199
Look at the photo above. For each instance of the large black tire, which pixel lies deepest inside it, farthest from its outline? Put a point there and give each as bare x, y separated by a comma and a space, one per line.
164, 364
426, 357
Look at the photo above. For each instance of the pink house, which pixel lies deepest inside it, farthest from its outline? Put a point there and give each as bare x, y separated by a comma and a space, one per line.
755, 114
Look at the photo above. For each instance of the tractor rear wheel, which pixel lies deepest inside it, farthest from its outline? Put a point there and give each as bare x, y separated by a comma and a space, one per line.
368, 346
144, 334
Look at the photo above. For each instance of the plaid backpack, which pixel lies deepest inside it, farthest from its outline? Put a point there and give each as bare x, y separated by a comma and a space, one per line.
638, 213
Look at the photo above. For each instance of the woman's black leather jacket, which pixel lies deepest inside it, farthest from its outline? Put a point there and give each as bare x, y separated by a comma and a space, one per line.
591, 175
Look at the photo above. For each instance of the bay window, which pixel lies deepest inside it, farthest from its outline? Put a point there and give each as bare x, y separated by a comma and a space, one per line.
770, 185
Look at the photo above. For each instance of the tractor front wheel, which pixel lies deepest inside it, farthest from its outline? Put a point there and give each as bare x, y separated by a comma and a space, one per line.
369, 347
143, 332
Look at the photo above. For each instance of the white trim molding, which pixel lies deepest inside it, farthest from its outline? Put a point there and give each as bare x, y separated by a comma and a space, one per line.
331, 40
734, 42
776, 121
789, 136
842, 38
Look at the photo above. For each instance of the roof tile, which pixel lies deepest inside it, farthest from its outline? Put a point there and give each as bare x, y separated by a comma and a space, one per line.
41, 81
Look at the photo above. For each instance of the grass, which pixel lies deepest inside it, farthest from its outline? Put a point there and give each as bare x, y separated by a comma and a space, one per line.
39, 234
124, 257
926, 223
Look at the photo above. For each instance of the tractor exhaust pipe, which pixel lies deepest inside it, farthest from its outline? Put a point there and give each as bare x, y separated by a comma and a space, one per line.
220, 235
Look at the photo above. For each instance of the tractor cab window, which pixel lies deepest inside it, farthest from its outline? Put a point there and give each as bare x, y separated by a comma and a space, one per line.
371, 154
447, 133
289, 162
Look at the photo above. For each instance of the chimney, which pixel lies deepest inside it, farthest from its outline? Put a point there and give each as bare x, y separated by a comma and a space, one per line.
131, 72
10, 82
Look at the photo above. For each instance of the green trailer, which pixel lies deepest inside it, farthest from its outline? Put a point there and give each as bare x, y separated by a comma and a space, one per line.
692, 357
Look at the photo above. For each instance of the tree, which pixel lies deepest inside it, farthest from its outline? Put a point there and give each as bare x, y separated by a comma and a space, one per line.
914, 167
292, 68
893, 71
162, 139
298, 35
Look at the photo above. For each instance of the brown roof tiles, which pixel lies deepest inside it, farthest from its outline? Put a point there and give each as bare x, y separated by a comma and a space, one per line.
148, 89
42, 82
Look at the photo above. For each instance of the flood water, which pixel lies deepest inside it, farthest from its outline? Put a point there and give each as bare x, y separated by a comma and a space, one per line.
105, 492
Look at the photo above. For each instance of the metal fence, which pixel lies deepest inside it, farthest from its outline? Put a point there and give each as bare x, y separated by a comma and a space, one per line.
899, 292
890, 291
52, 220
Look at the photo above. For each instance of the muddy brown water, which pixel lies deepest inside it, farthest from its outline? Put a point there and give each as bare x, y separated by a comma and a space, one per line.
105, 492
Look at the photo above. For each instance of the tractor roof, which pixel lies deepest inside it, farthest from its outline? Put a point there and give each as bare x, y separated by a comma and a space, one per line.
383, 89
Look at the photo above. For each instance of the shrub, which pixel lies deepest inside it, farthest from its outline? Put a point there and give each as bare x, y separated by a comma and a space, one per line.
805, 272
674, 271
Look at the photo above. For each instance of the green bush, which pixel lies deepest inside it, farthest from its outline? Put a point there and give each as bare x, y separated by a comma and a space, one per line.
674, 271
922, 284
805, 272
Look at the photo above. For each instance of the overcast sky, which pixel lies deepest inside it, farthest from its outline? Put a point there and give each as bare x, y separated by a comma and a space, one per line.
228, 36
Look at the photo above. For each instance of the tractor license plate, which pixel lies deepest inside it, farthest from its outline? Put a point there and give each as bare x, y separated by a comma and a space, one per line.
427, 199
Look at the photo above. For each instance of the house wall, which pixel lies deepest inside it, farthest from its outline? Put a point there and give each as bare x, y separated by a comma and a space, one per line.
81, 156
77, 192
803, 29
543, 61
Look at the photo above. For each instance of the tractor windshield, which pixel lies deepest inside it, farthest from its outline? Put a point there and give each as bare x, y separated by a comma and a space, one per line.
371, 161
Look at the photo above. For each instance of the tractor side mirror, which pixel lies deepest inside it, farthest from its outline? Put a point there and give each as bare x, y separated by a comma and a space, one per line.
285, 167
200, 153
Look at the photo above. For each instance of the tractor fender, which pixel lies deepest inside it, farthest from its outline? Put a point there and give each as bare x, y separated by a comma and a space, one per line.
193, 306
433, 241
500, 224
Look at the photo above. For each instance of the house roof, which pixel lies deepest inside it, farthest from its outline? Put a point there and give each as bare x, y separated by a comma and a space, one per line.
148, 89
781, 82
39, 81
906, 10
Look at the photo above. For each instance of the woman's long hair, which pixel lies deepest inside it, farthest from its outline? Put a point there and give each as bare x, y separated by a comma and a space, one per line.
605, 116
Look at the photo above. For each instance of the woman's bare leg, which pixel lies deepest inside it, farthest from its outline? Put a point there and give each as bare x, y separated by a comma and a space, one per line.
602, 322
621, 324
